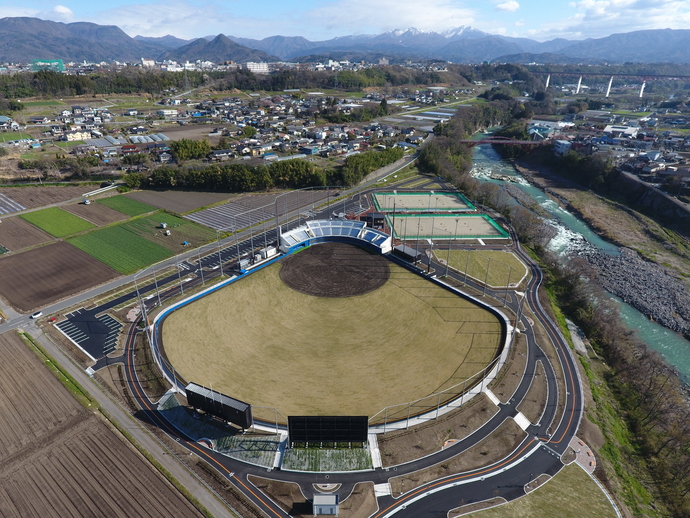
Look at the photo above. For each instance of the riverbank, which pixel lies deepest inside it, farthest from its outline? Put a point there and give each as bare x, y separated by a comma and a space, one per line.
651, 272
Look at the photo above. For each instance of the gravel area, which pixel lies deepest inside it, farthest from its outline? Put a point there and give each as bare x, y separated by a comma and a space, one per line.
644, 285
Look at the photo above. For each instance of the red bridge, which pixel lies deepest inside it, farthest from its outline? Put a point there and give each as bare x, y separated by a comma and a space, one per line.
503, 140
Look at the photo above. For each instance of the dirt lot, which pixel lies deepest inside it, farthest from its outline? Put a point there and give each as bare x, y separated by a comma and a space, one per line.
498, 445
406, 445
43, 275
32, 197
17, 234
532, 407
59, 459
179, 201
95, 213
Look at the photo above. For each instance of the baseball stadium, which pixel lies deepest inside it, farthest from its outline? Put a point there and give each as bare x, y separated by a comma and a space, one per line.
336, 326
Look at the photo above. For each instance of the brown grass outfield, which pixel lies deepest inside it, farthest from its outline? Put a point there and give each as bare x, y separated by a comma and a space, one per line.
264, 343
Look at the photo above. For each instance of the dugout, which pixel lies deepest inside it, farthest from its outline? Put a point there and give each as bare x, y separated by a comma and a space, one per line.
217, 404
407, 253
374, 219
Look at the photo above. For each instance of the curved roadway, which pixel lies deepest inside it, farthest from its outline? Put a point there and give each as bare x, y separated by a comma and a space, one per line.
539, 453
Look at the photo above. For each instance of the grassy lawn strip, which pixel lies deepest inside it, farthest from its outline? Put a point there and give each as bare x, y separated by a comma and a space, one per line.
57, 222
127, 205
503, 268
120, 249
571, 493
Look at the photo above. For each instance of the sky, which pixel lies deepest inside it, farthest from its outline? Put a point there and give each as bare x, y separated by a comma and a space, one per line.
324, 19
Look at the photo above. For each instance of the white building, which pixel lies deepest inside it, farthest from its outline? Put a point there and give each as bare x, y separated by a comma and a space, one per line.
561, 147
257, 68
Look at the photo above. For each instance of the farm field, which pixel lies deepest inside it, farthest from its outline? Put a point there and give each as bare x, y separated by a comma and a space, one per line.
58, 459
503, 267
308, 355
95, 213
32, 197
179, 201
120, 248
126, 205
57, 222
40, 276
17, 234
181, 230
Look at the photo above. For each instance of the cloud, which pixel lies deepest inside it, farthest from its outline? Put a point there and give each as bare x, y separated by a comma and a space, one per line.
510, 6
599, 18
372, 17
60, 12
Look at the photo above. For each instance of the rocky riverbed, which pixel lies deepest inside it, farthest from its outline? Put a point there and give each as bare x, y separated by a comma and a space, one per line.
644, 285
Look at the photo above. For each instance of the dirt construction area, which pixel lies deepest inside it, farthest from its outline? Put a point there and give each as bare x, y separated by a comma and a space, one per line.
59, 459
263, 342
43, 275
17, 234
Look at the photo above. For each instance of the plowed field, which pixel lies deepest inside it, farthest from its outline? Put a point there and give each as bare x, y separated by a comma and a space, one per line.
179, 201
32, 197
96, 213
43, 275
57, 459
16, 234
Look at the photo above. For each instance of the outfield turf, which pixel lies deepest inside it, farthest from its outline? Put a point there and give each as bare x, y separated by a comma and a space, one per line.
120, 249
504, 266
57, 222
126, 205
262, 342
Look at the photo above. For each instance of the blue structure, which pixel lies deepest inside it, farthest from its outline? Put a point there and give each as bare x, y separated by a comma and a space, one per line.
343, 231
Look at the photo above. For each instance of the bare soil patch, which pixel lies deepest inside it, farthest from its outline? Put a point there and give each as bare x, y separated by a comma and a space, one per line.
534, 403
335, 270
17, 234
470, 508
505, 439
287, 495
38, 196
95, 213
422, 440
361, 503
43, 275
179, 201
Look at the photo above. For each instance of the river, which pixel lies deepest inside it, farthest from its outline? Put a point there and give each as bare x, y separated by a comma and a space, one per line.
573, 233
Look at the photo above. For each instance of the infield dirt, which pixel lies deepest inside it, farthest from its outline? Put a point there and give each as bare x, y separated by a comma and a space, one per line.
262, 342
43, 275
59, 459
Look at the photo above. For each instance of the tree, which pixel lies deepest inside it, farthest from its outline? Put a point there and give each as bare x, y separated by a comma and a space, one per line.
249, 131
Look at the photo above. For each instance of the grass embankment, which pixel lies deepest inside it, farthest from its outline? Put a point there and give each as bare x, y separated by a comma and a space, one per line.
570, 494
503, 268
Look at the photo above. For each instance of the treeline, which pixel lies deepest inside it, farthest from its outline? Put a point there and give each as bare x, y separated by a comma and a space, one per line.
357, 167
445, 156
652, 399
292, 174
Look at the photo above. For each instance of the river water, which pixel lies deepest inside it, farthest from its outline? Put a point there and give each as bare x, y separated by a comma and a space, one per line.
572, 233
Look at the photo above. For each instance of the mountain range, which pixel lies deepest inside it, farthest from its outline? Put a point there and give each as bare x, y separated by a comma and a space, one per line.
24, 39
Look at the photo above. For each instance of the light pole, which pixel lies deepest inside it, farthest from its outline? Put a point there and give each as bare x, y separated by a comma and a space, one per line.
486, 277
220, 259
201, 268
431, 244
510, 272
